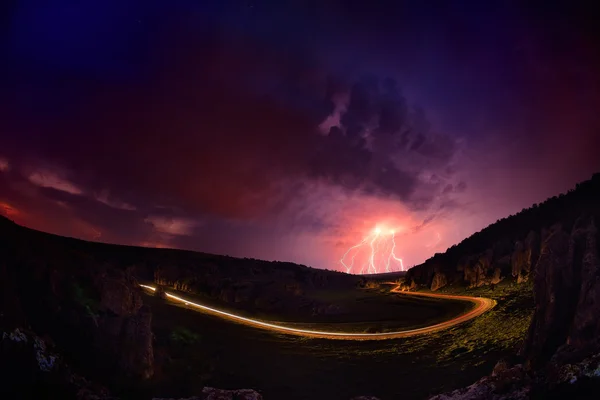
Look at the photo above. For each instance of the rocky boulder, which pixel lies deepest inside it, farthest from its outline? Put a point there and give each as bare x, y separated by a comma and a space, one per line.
509, 383
408, 285
496, 277
474, 275
365, 398
125, 343
31, 368
119, 294
504, 264
583, 250
524, 257
439, 281
210, 393
477, 270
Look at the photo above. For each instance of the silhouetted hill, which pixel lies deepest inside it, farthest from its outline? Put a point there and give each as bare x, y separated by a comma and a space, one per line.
508, 247
257, 285
67, 303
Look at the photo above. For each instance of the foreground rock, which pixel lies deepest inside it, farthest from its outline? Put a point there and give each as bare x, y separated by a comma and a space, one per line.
31, 368
365, 398
439, 281
209, 393
511, 383
567, 293
90, 310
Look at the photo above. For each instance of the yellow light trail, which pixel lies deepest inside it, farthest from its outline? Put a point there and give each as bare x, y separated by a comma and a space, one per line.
481, 305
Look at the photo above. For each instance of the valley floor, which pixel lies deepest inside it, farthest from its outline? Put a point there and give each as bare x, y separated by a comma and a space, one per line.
196, 350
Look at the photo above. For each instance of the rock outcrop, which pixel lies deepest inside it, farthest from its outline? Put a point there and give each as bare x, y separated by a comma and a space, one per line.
408, 285
439, 281
511, 383
567, 290
497, 276
474, 275
365, 398
561, 353
31, 368
210, 393
524, 257
91, 310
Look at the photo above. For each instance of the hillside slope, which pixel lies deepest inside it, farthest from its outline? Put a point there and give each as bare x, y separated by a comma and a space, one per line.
508, 248
64, 302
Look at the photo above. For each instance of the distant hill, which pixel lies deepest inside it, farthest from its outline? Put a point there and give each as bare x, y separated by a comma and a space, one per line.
509, 247
85, 297
249, 283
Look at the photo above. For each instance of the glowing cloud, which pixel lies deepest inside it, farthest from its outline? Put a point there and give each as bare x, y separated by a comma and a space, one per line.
4, 165
105, 198
51, 180
172, 226
8, 210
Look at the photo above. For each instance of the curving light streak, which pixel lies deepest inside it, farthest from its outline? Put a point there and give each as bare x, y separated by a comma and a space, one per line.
379, 256
482, 305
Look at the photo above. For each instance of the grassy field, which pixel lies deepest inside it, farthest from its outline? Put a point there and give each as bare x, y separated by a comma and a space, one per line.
194, 350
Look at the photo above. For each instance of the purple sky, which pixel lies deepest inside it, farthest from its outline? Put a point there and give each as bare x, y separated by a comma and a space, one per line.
290, 132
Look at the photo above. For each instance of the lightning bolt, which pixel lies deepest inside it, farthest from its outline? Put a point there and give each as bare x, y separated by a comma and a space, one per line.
376, 253
393, 252
372, 257
349, 267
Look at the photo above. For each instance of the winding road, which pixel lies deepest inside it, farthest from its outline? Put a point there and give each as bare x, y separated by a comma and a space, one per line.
481, 305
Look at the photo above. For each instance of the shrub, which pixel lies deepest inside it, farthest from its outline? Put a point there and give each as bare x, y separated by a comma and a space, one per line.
184, 336
86, 301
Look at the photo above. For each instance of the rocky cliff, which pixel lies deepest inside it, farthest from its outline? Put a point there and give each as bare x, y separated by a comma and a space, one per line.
561, 355
508, 248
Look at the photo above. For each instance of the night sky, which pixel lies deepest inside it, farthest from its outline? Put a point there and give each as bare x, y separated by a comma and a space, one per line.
290, 131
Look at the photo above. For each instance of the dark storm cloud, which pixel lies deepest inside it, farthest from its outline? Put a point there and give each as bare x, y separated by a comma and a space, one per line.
180, 123
214, 124
375, 130
424, 223
448, 188
461, 187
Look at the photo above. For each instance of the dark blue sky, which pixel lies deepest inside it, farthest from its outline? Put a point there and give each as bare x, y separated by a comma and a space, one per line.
263, 129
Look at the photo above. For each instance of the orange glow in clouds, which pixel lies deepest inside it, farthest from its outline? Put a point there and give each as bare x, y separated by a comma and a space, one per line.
7, 210
376, 253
